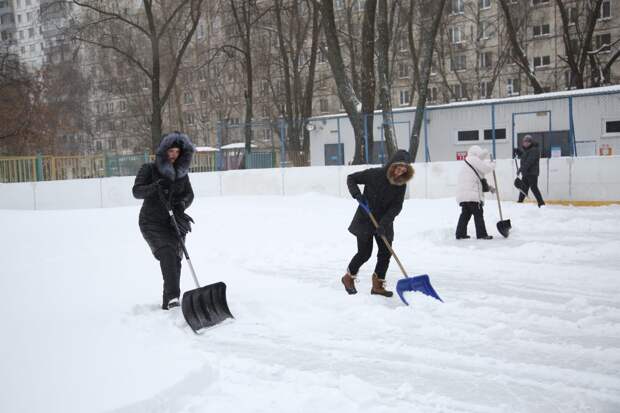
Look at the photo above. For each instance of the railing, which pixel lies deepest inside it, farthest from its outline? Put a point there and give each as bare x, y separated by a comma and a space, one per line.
50, 168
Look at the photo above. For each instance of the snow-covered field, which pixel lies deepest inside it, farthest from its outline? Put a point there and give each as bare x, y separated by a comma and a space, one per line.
529, 324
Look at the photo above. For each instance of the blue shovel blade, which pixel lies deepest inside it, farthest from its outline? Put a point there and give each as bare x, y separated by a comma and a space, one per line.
418, 283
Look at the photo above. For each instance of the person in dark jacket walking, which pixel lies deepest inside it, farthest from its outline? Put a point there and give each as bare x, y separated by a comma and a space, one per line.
384, 193
530, 169
166, 180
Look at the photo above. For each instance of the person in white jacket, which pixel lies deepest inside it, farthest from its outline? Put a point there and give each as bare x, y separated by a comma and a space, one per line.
470, 195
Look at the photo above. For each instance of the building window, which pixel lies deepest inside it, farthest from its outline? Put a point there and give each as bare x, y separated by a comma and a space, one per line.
457, 6
485, 89
484, 29
612, 126
605, 10
405, 98
484, 4
468, 135
432, 94
110, 107
190, 119
603, 42
572, 15
29, 16
459, 91
486, 60
513, 87
203, 95
459, 62
537, 2
320, 56
98, 145
324, 105
456, 35
542, 61
499, 134
122, 106
541, 30
403, 70
338, 4
569, 79
188, 98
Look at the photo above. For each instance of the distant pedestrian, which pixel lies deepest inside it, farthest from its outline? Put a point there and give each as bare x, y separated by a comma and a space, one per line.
470, 192
530, 169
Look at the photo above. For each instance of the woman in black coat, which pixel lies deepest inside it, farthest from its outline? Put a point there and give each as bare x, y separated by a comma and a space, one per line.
384, 193
530, 169
166, 180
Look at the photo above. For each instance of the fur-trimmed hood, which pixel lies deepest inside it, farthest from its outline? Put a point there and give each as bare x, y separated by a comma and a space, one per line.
400, 158
181, 167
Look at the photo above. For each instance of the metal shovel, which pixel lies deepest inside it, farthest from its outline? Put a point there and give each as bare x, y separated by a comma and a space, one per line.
420, 283
503, 226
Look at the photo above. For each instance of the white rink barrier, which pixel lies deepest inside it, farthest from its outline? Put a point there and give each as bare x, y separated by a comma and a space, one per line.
582, 180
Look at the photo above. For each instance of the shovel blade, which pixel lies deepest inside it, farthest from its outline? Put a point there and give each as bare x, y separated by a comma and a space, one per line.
206, 306
504, 227
420, 283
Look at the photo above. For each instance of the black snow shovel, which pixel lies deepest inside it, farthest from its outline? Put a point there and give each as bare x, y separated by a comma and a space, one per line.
205, 306
420, 283
518, 183
503, 226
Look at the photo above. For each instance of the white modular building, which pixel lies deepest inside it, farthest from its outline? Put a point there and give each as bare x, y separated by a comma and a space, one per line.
582, 122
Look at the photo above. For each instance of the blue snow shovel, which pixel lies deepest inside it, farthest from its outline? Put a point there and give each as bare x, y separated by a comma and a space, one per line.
420, 283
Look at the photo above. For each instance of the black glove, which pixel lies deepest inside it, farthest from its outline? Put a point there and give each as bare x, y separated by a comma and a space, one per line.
361, 198
184, 223
178, 207
380, 231
516, 152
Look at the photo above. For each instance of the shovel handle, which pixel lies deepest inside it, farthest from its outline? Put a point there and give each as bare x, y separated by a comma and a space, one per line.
178, 234
499, 203
385, 240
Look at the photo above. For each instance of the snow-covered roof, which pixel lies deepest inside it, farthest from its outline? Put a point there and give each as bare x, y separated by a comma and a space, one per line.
605, 90
238, 145
206, 149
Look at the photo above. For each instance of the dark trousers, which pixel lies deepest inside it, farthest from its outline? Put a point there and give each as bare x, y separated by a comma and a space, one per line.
170, 264
364, 251
531, 182
467, 210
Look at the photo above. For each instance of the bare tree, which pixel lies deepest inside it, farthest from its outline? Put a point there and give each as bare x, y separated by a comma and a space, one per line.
295, 23
430, 14
515, 23
346, 92
143, 29
383, 70
577, 33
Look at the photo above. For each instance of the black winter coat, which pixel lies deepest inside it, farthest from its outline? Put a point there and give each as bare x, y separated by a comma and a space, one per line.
530, 160
384, 192
154, 219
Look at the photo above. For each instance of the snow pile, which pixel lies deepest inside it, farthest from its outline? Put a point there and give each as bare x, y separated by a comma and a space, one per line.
529, 324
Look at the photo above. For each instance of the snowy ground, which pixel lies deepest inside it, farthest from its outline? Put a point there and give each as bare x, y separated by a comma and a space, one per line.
529, 324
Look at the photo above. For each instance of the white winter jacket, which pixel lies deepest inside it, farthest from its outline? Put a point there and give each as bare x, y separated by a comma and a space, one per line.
468, 187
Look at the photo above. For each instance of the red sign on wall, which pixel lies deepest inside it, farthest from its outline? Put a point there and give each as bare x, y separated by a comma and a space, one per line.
461, 155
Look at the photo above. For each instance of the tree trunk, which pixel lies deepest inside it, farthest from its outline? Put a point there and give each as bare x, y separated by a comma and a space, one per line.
383, 69
432, 13
347, 95
368, 85
518, 53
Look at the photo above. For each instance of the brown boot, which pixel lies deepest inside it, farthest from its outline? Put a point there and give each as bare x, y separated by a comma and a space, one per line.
348, 280
378, 287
